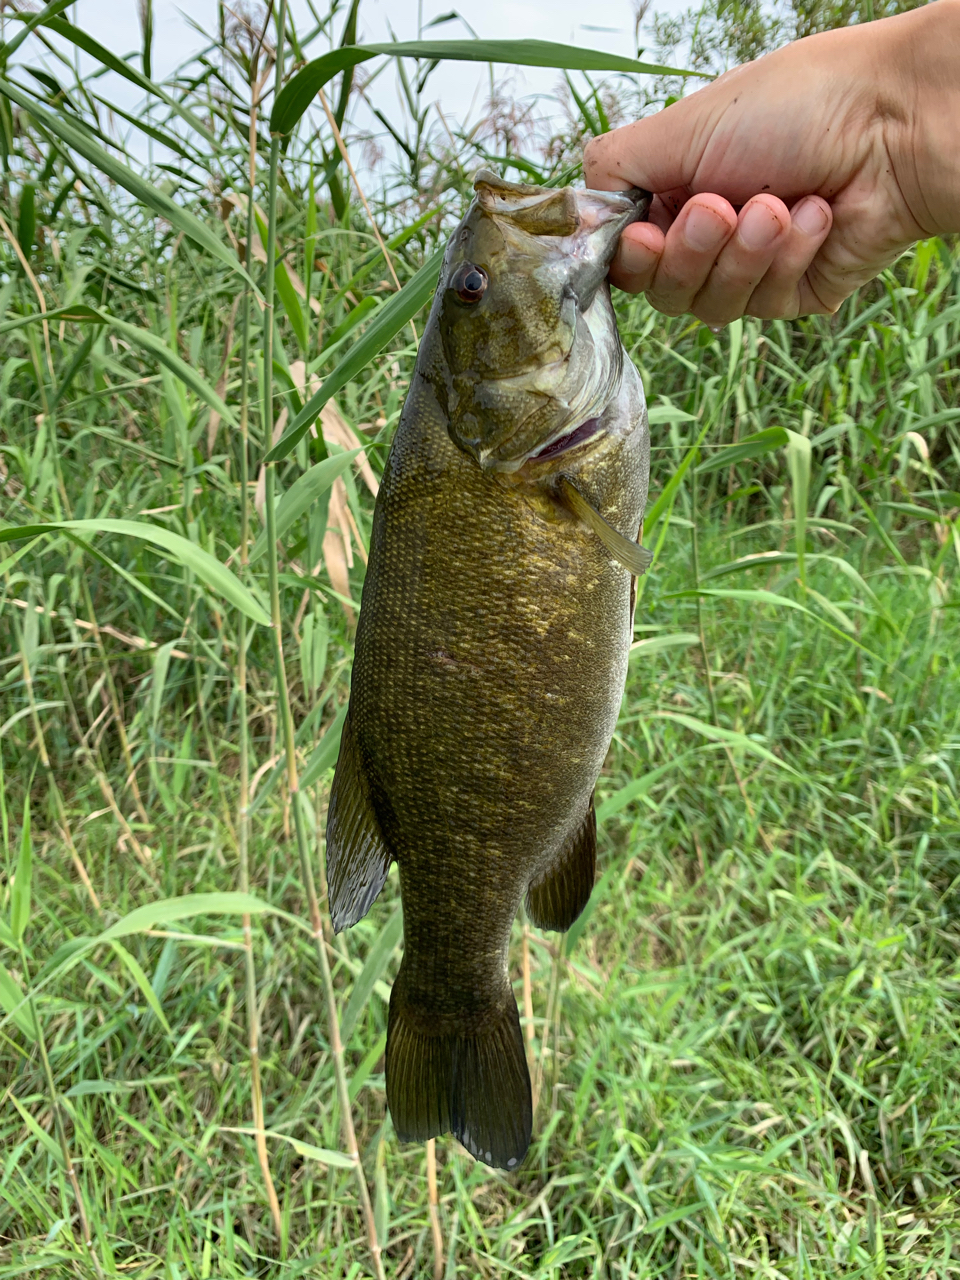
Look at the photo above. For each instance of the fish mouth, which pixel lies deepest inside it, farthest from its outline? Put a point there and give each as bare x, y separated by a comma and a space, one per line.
505, 414
558, 211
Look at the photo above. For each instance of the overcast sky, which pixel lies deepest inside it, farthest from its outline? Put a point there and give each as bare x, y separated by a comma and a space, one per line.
600, 24
460, 88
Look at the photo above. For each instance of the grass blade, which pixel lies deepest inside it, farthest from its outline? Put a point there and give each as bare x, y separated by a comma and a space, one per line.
325, 754
389, 320
168, 910
761, 596
750, 447
303, 493
306, 1149
656, 644
30, 22
20, 894
730, 737
149, 342
637, 787
13, 1000
798, 462
377, 960
291, 305
166, 355
125, 177
297, 95
207, 568
673, 484
133, 967
127, 576
107, 59
78, 311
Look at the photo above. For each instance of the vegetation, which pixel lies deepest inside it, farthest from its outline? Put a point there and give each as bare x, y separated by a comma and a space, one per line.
746, 1052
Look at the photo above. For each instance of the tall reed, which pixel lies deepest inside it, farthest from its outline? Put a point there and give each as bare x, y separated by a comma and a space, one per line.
243, 817
283, 699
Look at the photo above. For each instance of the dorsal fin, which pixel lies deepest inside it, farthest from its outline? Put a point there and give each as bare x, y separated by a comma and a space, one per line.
358, 860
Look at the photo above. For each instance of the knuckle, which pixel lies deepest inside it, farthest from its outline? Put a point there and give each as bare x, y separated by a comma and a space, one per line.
773, 308
774, 299
676, 284
593, 151
733, 276
628, 283
719, 303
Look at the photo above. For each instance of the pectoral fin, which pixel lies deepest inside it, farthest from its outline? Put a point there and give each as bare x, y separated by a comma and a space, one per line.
557, 898
357, 857
631, 555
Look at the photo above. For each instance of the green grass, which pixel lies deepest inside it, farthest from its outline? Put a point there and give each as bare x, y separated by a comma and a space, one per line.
749, 1046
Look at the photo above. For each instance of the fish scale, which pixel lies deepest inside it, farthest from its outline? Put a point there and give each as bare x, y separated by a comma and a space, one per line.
491, 655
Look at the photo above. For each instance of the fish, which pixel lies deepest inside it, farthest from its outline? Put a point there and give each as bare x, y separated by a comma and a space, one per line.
492, 644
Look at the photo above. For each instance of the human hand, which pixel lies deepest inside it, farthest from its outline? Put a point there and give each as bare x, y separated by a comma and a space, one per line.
839, 151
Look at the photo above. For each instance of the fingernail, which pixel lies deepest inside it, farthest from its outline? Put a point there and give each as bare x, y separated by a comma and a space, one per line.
810, 218
704, 231
759, 227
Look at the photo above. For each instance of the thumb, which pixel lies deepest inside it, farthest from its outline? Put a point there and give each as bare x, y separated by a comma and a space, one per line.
658, 153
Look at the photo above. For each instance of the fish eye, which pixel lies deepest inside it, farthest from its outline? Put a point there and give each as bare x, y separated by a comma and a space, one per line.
469, 282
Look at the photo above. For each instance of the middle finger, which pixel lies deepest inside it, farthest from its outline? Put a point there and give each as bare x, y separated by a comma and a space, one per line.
742, 262
690, 249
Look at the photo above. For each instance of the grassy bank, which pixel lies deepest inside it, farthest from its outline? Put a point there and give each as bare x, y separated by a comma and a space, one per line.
746, 1053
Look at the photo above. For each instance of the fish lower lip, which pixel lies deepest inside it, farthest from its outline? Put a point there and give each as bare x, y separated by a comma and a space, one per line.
577, 436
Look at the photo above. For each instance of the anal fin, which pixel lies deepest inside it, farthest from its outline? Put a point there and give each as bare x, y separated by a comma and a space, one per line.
357, 857
557, 898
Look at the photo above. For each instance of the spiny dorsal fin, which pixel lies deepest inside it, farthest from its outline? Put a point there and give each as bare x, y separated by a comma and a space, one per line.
631, 555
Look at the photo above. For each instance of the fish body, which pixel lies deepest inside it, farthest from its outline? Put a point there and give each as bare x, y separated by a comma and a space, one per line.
492, 646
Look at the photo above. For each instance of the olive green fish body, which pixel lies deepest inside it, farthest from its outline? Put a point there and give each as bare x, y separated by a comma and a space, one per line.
490, 660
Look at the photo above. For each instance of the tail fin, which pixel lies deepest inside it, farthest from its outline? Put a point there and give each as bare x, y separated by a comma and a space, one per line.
476, 1087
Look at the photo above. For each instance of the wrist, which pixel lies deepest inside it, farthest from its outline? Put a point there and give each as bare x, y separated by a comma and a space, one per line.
923, 127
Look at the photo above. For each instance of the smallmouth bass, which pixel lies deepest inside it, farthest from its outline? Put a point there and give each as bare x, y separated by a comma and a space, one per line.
492, 646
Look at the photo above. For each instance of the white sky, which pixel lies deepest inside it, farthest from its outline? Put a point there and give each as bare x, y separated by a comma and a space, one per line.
460, 88
569, 21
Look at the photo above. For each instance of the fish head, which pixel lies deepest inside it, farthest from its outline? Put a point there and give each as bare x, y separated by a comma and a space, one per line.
531, 351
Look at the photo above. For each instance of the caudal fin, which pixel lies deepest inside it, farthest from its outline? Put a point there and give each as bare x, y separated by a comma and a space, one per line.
476, 1087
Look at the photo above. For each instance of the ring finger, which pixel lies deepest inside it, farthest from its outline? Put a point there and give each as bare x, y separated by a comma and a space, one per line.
784, 292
